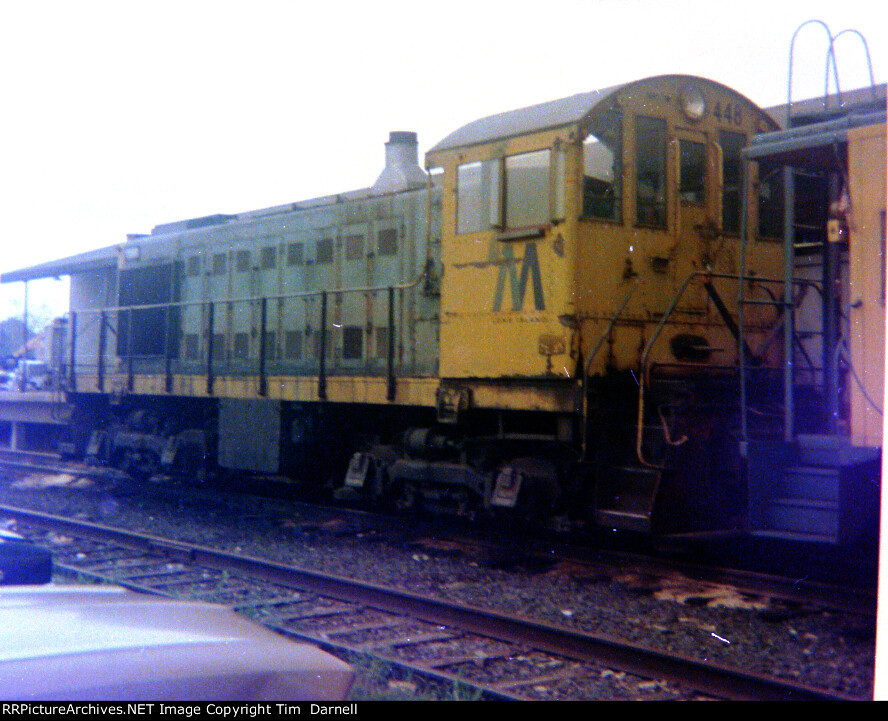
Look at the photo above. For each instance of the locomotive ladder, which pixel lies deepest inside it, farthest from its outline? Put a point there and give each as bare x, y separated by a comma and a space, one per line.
810, 484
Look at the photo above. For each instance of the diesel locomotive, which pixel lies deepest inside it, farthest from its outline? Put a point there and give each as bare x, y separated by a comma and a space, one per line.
653, 307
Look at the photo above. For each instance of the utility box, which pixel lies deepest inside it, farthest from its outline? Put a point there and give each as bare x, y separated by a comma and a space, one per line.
249, 435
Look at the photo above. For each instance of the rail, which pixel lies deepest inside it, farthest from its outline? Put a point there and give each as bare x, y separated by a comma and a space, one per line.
312, 605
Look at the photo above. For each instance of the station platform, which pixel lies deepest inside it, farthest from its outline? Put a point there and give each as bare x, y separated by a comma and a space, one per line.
32, 420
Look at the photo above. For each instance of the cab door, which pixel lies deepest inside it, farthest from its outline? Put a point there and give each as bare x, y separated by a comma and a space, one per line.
695, 167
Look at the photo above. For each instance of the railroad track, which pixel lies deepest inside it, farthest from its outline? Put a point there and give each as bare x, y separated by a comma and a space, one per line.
489, 654
855, 599
39, 462
800, 590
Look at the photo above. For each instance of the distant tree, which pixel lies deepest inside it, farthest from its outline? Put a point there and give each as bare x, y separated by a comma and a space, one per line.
47, 300
12, 337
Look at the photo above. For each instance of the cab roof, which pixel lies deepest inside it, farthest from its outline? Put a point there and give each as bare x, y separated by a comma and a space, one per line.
553, 114
546, 116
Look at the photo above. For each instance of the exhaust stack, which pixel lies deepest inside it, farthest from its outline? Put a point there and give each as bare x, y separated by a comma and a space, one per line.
402, 171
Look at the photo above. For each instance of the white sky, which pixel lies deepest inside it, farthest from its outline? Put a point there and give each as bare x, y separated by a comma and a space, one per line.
123, 115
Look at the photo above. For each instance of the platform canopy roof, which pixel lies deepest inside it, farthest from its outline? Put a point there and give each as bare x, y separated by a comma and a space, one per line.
80, 263
814, 145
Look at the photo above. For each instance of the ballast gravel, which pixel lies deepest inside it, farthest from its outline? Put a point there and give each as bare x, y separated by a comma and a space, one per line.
819, 646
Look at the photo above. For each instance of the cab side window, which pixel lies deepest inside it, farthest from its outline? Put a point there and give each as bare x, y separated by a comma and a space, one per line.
602, 169
731, 144
770, 203
512, 193
475, 192
527, 190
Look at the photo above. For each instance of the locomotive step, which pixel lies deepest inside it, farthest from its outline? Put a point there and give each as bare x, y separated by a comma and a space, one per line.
626, 498
625, 520
809, 483
831, 451
803, 518
803, 504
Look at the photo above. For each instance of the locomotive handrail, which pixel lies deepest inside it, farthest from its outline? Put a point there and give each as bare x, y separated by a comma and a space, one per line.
639, 433
598, 345
830, 56
798, 299
831, 62
869, 62
263, 300
678, 296
655, 337
607, 330
255, 299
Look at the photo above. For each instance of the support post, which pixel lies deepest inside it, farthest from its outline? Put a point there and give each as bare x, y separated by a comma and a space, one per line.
211, 330
130, 380
322, 361
263, 319
100, 374
167, 354
390, 386
788, 288
72, 355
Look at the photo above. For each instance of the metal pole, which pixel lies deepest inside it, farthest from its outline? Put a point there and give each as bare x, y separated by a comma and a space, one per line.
167, 354
322, 362
130, 381
211, 330
23, 380
789, 325
390, 389
831, 301
741, 310
100, 380
263, 318
72, 381
25, 332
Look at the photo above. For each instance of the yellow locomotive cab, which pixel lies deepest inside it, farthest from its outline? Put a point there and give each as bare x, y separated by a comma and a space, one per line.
553, 215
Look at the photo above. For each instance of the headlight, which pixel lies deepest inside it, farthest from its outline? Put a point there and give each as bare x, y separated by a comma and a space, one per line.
693, 104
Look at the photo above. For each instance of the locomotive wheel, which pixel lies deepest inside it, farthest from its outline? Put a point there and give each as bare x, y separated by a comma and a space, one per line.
466, 506
407, 499
140, 464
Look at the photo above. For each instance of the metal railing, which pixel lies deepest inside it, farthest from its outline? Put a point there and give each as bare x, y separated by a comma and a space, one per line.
831, 63
199, 337
738, 331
